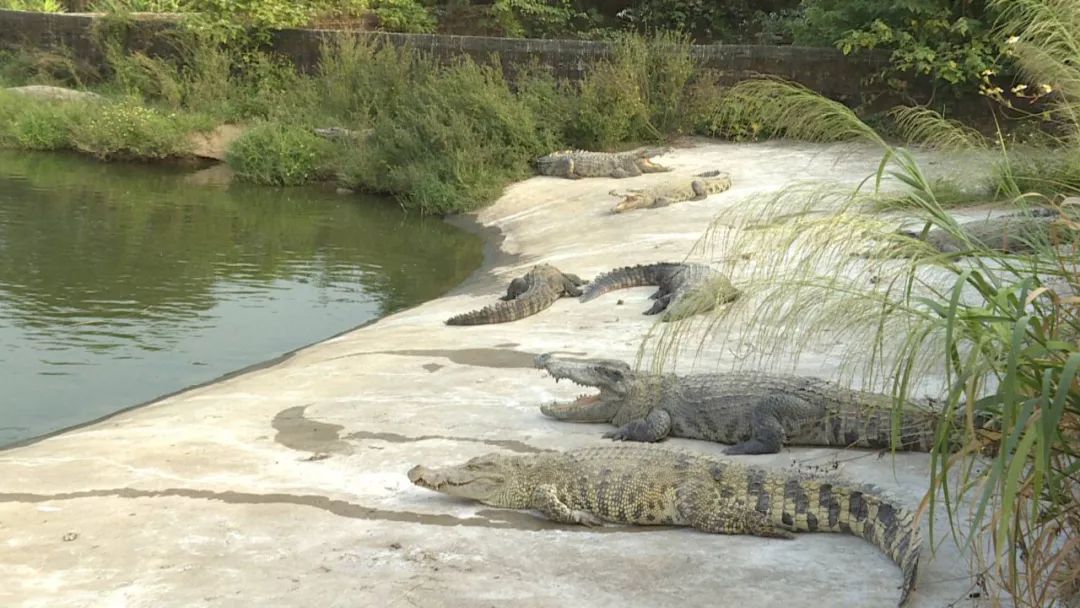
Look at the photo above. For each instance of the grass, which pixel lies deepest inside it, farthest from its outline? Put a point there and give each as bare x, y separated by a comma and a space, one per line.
440, 138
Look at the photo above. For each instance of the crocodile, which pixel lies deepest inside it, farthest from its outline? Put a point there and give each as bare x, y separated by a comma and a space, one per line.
526, 296
650, 485
696, 189
684, 289
576, 164
755, 411
1013, 233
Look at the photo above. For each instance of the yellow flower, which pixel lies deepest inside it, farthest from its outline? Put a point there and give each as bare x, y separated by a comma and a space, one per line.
1019, 88
1013, 40
1045, 88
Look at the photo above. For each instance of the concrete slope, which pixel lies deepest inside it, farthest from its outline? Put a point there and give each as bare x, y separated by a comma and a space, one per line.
286, 486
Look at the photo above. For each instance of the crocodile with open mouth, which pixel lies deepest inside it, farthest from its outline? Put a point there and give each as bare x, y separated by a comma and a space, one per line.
757, 412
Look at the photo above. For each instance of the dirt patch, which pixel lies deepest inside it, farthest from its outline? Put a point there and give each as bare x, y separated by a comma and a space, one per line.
215, 143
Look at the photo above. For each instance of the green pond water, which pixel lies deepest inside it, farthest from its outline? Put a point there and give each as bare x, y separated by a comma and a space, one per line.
120, 283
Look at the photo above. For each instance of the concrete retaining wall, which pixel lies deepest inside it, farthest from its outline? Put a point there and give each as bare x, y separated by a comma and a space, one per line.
825, 70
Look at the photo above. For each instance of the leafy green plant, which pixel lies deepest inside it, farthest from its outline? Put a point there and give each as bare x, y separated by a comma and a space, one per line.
403, 16
540, 18
710, 22
39, 6
280, 155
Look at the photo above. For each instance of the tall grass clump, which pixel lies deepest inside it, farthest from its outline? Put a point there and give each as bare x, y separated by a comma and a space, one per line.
451, 143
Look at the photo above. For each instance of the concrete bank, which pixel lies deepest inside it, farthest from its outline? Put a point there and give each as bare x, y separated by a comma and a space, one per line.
286, 486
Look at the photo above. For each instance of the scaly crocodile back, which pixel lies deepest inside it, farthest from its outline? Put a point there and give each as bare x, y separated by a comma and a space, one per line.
630, 276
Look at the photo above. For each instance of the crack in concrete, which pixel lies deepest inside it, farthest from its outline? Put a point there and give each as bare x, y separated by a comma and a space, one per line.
487, 518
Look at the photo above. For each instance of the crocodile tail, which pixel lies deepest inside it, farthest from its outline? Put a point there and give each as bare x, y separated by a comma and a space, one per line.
628, 276
874, 430
822, 506
527, 304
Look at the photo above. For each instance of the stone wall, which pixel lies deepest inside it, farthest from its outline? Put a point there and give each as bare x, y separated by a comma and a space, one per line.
822, 69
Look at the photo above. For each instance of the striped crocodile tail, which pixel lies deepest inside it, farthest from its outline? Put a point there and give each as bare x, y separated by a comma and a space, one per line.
527, 304
628, 276
865, 513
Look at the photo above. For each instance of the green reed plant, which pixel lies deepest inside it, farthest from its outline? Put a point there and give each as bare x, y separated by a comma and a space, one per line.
1001, 330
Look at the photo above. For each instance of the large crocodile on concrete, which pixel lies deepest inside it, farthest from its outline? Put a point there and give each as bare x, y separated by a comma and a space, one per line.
526, 295
757, 412
576, 164
649, 485
676, 191
1013, 233
684, 289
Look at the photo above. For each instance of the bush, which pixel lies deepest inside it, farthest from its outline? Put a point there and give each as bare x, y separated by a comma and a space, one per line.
278, 154
952, 44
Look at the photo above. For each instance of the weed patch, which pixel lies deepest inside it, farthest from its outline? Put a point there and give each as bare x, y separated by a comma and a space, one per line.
128, 131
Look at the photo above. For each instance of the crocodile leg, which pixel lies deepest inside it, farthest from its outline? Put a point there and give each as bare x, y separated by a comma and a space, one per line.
700, 192
545, 498
651, 428
660, 304
570, 285
517, 287
568, 163
662, 201
767, 430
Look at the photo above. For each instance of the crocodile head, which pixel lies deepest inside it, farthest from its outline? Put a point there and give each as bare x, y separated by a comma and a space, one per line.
614, 379
629, 202
494, 479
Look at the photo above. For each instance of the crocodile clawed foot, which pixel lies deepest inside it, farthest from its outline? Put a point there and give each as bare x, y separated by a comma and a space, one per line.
587, 519
615, 435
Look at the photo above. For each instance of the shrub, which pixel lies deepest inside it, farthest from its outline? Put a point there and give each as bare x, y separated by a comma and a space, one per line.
279, 154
